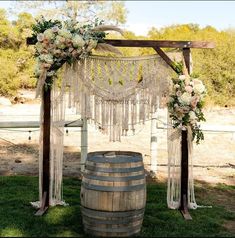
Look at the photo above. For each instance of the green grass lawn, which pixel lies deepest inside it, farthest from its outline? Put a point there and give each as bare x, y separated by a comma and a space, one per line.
17, 219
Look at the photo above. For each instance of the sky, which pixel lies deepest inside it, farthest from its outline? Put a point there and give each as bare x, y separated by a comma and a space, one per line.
146, 14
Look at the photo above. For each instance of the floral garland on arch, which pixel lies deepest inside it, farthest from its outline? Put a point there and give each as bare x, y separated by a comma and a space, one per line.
185, 104
58, 43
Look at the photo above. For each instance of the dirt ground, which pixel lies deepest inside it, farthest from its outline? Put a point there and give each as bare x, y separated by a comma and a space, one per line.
214, 158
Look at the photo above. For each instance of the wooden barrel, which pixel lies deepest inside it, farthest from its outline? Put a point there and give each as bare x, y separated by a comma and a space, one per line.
113, 193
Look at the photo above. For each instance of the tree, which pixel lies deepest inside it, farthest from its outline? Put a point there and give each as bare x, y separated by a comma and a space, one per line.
216, 67
16, 59
110, 11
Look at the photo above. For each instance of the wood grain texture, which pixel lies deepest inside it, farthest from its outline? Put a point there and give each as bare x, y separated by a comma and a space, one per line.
46, 144
150, 43
165, 57
162, 44
107, 224
184, 155
113, 186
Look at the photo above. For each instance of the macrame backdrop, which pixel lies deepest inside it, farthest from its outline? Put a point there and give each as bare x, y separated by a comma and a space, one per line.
115, 94
56, 147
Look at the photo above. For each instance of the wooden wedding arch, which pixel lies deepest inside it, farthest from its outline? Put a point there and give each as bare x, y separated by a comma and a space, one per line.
185, 46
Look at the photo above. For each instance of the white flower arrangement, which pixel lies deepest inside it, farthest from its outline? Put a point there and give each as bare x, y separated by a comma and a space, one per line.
57, 43
185, 104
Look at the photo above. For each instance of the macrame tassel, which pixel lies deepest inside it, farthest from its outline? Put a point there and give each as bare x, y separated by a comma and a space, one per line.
105, 88
114, 122
126, 116
110, 121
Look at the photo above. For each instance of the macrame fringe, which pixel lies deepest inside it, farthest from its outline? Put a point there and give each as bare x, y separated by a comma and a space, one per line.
174, 168
117, 93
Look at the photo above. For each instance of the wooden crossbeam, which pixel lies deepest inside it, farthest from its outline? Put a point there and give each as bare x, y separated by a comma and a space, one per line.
151, 43
161, 44
165, 57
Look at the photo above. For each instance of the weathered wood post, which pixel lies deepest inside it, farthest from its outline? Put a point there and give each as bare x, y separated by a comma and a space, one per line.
184, 155
46, 100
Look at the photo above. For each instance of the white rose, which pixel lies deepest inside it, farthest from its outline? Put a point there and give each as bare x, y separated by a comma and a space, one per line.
199, 88
49, 34
39, 47
59, 42
40, 37
78, 41
185, 98
182, 77
48, 58
64, 33
176, 86
55, 29
192, 116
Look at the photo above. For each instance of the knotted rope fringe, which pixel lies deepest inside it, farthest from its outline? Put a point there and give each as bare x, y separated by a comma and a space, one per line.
117, 93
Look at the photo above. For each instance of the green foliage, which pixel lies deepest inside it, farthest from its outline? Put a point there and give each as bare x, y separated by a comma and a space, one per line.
16, 70
178, 66
216, 67
16, 59
113, 12
42, 24
17, 215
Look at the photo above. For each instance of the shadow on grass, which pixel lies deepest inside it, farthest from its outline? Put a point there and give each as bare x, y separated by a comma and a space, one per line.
17, 219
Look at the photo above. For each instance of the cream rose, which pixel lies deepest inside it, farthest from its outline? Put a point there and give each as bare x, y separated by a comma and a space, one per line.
47, 58
192, 117
64, 33
40, 37
78, 41
199, 88
49, 34
182, 77
185, 98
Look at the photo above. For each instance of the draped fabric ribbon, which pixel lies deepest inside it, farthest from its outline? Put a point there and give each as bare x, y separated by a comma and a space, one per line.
40, 83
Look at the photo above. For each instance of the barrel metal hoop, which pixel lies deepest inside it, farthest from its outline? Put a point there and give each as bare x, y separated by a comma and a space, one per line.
115, 160
112, 230
112, 214
112, 188
114, 170
119, 221
113, 179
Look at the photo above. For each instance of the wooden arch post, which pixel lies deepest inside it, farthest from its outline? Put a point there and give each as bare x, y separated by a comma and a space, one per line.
156, 45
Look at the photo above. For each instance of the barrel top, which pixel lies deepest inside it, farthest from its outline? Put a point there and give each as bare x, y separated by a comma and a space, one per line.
114, 156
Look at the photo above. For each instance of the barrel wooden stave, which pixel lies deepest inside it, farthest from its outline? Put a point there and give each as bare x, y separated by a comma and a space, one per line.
115, 224
114, 186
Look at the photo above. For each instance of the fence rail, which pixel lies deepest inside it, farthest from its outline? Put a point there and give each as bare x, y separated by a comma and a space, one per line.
35, 124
